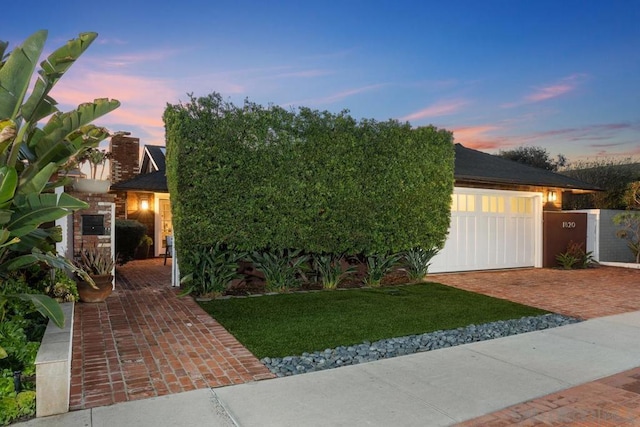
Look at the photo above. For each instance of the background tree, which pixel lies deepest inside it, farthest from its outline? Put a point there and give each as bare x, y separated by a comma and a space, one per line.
614, 176
534, 156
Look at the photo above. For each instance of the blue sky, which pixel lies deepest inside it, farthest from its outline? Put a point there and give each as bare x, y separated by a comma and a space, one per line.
561, 74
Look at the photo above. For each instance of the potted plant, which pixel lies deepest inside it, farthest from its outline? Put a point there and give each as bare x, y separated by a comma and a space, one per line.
97, 159
99, 264
142, 251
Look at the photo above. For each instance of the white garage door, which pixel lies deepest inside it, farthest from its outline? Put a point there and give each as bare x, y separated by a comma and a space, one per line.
491, 230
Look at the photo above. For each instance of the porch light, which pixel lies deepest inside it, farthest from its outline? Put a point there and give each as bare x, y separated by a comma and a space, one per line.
144, 203
552, 196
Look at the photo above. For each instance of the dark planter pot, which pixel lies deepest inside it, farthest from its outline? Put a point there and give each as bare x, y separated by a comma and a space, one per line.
90, 294
142, 252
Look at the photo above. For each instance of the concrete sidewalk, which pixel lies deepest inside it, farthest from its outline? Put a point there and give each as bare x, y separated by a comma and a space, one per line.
437, 388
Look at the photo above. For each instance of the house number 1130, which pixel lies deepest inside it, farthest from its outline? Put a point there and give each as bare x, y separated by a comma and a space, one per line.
568, 224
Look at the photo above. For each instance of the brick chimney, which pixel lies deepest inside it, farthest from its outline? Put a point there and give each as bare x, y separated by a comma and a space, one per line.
125, 164
125, 152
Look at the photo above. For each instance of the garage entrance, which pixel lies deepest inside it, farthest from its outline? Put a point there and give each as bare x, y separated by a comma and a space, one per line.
492, 229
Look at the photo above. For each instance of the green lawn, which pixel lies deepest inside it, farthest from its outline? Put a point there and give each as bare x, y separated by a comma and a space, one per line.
290, 324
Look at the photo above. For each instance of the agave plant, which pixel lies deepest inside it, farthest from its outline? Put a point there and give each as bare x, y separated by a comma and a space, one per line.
417, 262
379, 265
330, 271
281, 268
31, 154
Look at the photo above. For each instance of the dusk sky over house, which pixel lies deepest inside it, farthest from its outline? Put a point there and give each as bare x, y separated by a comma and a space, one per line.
561, 74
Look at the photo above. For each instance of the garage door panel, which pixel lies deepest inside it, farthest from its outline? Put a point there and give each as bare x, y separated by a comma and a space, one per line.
495, 229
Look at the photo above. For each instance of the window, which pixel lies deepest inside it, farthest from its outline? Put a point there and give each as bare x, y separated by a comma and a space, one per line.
521, 205
494, 204
463, 203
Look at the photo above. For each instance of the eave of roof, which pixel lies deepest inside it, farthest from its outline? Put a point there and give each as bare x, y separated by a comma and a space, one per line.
482, 168
154, 181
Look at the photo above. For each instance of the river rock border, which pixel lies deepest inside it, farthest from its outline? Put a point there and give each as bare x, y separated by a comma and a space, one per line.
392, 347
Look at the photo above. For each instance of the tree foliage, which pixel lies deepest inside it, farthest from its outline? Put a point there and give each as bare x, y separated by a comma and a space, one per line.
537, 157
614, 176
259, 178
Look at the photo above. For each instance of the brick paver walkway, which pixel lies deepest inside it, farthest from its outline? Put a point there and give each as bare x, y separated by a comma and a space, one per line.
597, 292
144, 341
588, 293
609, 402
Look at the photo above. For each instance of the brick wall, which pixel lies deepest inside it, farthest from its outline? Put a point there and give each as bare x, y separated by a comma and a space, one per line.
125, 164
99, 204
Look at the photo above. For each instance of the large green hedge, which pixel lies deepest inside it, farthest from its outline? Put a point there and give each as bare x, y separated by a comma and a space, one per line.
269, 178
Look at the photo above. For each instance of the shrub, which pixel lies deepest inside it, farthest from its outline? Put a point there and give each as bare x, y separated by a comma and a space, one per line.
318, 182
574, 257
129, 233
331, 270
281, 268
213, 269
59, 286
417, 262
378, 266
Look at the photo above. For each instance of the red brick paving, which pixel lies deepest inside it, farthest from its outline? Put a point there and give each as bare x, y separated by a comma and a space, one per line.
612, 401
144, 341
596, 292
587, 293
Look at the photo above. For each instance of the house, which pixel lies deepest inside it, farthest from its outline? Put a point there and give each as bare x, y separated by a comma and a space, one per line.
496, 213
140, 187
499, 212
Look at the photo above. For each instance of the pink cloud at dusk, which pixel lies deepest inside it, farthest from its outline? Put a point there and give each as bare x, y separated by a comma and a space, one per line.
550, 91
441, 108
142, 100
476, 137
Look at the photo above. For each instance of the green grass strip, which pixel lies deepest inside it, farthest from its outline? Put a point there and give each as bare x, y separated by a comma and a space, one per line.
290, 324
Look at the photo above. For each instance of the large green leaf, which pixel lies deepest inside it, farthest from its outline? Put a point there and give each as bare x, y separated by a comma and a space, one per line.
39, 104
5, 216
41, 238
47, 306
36, 183
35, 209
15, 75
62, 124
8, 184
50, 259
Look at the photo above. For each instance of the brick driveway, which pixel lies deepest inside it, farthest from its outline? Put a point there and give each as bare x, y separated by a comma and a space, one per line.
602, 291
588, 293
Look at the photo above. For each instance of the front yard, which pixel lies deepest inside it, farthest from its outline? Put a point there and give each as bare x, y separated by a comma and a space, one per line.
290, 324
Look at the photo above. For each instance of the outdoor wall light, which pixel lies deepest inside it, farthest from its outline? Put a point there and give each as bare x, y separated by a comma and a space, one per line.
552, 196
144, 203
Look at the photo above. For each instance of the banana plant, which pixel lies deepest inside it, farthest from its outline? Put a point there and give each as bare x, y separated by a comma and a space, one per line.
32, 154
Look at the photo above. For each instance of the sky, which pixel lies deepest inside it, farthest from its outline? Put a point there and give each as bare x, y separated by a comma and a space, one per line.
563, 75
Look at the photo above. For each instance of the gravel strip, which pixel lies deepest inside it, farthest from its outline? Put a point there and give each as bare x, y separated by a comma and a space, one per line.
392, 347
